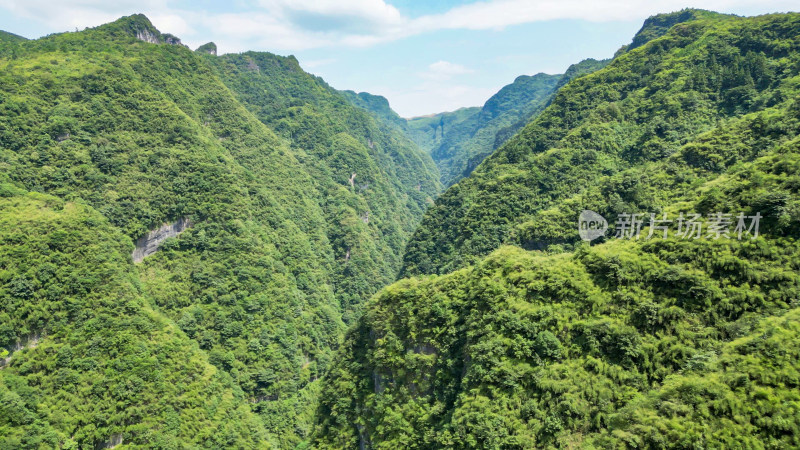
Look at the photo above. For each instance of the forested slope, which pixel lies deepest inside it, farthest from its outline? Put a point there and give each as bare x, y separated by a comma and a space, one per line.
611, 139
468, 142
373, 183
576, 70
147, 133
429, 131
667, 344
458, 141
91, 362
636, 342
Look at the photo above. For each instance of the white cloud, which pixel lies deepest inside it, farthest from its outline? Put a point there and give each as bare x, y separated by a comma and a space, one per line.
356, 16
293, 25
172, 23
444, 70
69, 14
314, 63
432, 96
441, 87
498, 14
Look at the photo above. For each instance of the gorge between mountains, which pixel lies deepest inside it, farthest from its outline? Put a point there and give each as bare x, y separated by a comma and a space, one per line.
220, 250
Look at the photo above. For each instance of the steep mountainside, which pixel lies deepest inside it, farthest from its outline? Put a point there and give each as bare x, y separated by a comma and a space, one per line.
576, 70
91, 362
458, 141
636, 342
611, 140
429, 131
658, 25
470, 141
285, 242
373, 183
378, 105
426, 131
670, 344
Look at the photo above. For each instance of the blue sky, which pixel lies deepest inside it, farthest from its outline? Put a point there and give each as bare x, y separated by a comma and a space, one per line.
425, 56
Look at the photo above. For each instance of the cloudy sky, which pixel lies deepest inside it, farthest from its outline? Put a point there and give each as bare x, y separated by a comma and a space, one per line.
425, 56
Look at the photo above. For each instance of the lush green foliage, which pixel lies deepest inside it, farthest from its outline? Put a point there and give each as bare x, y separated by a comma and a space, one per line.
576, 70
10, 37
302, 199
208, 47
258, 154
668, 344
636, 136
656, 26
460, 140
369, 220
648, 343
468, 142
90, 359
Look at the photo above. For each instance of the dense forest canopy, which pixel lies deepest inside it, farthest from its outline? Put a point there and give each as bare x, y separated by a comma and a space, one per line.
301, 205
636, 136
550, 342
316, 291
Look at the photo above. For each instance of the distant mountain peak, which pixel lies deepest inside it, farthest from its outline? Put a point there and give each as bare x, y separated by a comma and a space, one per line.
657, 25
209, 47
137, 25
6, 36
140, 27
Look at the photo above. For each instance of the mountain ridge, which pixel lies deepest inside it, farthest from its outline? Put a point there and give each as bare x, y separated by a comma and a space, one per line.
508, 331
283, 249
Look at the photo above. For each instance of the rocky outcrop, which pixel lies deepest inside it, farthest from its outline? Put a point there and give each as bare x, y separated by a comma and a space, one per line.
210, 48
252, 66
147, 36
114, 440
171, 39
149, 243
32, 341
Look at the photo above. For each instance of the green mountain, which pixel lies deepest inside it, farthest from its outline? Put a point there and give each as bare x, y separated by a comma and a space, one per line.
198, 251
468, 142
92, 362
373, 183
617, 139
530, 338
429, 131
378, 106
658, 25
525, 115
458, 141
10, 37
294, 208
426, 131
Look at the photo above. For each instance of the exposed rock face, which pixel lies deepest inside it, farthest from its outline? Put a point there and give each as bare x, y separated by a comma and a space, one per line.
253, 67
149, 243
172, 39
147, 36
113, 441
210, 48
31, 342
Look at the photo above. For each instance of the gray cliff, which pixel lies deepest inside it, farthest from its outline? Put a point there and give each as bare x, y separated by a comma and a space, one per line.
149, 243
